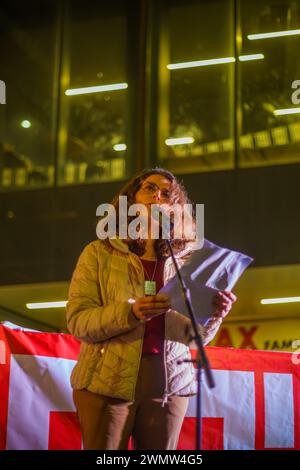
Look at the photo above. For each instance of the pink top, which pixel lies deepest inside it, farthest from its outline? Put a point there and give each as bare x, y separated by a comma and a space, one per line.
154, 328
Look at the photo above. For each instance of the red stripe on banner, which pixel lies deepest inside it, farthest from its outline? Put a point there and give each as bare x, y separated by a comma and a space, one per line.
42, 344
259, 411
250, 360
64, 431
4, 387
230, 359
187, 438
212, 434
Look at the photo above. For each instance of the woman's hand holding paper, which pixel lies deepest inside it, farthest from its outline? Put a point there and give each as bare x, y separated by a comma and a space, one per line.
223, 301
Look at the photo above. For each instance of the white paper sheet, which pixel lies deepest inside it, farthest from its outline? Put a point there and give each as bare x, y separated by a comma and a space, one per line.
209, 269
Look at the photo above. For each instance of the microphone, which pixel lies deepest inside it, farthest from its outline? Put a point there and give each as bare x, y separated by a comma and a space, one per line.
164, 220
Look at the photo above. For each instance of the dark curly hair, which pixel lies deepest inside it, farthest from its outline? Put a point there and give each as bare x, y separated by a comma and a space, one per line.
178, 196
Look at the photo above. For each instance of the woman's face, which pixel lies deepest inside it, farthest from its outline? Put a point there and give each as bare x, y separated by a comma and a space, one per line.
156, 189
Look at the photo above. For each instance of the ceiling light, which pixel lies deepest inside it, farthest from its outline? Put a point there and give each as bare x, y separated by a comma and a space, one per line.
275, 34
221, 60
282, 112
244, 58
180, 141
200, 63
26, 124
119, 147
96, 89
280, 300
58, 304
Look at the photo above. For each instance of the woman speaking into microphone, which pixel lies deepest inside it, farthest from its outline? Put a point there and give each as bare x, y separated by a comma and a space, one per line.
127, 381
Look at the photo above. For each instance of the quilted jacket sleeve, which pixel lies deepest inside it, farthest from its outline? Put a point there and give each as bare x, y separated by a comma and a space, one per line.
87, 318
207, 332
179, 328
211, 329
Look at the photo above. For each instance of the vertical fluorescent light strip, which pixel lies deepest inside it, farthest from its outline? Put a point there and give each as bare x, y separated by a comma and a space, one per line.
274, 34
282, 112
35, 305
280, 300
96, 89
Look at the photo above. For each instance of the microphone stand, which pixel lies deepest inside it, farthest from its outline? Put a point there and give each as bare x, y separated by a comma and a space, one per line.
201, 360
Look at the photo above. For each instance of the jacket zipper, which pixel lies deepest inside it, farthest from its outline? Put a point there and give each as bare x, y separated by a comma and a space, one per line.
166, 391
133, 395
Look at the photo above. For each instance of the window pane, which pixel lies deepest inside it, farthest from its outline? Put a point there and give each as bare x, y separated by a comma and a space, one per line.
93, 137
27, 40
196, 103
267, 136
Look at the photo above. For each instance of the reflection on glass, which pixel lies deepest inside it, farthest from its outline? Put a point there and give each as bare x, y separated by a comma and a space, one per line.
270, 123
93, 132
27, 43
196, 85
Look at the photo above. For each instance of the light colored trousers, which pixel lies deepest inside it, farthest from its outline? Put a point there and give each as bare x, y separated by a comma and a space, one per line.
107, 423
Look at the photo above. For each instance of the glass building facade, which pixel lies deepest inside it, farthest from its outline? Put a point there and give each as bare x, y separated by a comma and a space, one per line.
97, 90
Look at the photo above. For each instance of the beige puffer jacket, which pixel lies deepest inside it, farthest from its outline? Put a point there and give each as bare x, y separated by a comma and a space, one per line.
106, 276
